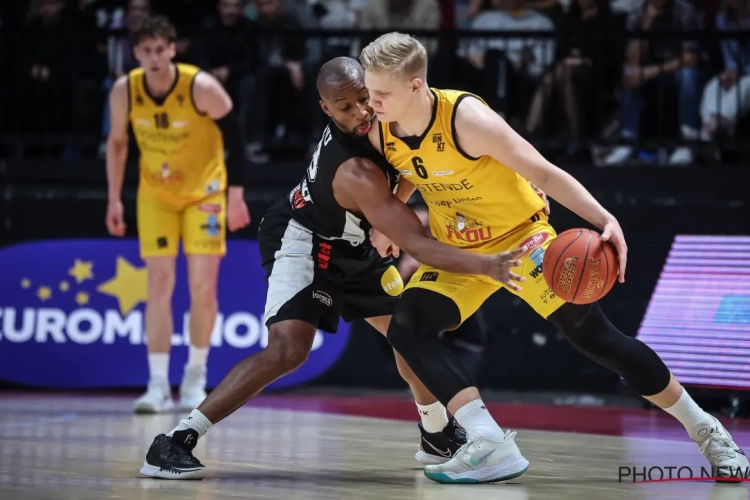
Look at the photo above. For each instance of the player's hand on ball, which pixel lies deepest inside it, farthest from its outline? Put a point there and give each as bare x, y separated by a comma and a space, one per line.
612, 232
115, 218
499, 267
238, 215
382, 244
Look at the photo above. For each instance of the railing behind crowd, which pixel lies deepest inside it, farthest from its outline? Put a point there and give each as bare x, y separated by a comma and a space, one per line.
566, 92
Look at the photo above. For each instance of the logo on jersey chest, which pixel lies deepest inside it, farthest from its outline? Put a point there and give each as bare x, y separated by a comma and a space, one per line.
467, 229
437, 139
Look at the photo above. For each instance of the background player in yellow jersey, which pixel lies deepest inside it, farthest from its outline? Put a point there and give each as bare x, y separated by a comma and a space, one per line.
472, 169
183, 123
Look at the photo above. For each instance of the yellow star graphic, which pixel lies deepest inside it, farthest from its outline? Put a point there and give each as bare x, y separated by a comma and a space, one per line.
25, 283
129, 285
44, 293
81, 270
64, 286
82, 298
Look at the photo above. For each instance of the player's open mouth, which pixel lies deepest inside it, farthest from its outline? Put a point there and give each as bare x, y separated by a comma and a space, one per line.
366, 127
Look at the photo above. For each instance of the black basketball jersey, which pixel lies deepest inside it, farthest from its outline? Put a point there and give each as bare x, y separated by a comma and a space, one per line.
312, 202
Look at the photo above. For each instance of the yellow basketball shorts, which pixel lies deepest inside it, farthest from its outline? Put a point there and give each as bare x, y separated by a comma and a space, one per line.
201, 226
470, 291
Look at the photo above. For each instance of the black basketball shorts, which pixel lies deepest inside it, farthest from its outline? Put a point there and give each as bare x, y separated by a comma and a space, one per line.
319, 281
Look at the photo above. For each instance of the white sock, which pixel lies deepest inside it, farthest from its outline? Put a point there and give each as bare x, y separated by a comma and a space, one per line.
434, 417
196, 421
478, 422
197, 356
689, 414
158, 366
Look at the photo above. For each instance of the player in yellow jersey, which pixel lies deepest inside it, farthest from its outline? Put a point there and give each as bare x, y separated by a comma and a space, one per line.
472, 170
183, 124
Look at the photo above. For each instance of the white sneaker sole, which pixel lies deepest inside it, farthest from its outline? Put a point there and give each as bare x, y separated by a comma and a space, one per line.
147, 407
496, 473
158, 473
189, 404
427, 459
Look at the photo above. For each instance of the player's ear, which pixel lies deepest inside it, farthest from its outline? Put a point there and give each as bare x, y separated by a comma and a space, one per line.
416, 84
325, 108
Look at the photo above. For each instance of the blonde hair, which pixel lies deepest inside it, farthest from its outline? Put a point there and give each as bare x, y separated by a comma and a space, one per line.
397, 53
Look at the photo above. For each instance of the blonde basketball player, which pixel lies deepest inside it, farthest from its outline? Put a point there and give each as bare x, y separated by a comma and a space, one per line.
472, 169
183, 122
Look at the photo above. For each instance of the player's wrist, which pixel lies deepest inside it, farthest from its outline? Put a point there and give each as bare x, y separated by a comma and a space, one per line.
236, 192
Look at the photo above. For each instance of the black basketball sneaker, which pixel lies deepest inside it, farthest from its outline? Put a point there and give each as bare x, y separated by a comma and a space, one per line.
172, 457
439, 447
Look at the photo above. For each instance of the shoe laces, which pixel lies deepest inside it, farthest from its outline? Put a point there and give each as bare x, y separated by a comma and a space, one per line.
717, 445
180, 454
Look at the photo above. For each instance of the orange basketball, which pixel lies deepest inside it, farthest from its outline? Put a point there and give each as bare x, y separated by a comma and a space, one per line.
579, 267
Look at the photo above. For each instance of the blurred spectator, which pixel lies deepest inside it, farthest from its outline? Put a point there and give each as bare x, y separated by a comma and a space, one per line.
187, 16
338, 15
504, 69
586, 67
466, 11
119, 50
228, 49
403, 15
726, 98
47, 59
284, 82
657, 69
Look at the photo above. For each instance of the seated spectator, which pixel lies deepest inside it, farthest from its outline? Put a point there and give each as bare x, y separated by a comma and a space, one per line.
726, 98
337, 15
284, 85
119, 50
403, 15
47, 55
661, 67
228, 49
585, 70
502, 70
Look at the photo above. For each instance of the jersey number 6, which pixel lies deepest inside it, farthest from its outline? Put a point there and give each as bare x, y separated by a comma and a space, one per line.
419, 167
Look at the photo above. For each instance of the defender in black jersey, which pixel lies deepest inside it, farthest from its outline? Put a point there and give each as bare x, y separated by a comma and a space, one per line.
321, 266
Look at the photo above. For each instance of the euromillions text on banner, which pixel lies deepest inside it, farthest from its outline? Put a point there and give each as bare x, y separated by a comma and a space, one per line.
72, 316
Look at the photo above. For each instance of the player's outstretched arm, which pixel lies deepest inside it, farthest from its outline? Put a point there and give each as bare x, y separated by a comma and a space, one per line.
362, 183
211, 98
482, 132
117, 155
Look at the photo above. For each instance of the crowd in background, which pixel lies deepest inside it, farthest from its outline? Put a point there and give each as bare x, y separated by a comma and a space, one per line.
575, 78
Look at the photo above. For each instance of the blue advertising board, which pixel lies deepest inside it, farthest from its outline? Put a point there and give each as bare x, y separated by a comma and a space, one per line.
72, 316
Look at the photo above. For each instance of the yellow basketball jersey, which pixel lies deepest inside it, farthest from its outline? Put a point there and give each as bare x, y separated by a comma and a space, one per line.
182, 150
472, 202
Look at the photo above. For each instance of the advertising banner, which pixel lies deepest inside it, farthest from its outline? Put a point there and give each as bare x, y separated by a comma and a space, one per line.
698, 319
72, 316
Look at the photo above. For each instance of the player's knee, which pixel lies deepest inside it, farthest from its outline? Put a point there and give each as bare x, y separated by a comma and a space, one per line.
203, 295
588, 329
288, 347
160, 285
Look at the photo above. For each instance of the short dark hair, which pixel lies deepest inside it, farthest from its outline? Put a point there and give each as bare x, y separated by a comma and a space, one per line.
153, 27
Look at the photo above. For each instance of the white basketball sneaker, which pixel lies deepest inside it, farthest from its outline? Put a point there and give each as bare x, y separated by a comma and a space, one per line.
481, 461
193, 388
158, 398
726, 458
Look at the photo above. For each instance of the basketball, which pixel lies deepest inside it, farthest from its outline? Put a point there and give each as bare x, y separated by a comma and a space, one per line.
579, 267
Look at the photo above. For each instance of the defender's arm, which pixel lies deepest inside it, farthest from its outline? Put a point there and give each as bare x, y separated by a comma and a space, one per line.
365, 184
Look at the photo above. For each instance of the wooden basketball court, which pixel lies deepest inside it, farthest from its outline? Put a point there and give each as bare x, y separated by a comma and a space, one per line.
294, 447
